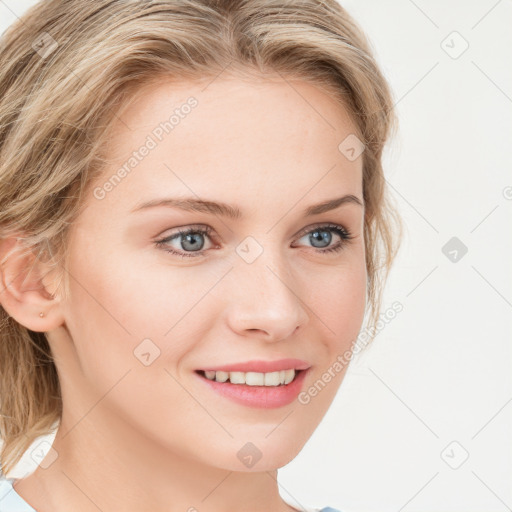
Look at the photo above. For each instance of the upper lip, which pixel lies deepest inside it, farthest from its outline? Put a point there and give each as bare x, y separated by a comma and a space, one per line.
261, 366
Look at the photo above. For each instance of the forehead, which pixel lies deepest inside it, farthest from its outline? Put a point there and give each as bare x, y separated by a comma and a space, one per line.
230, 101
242, 135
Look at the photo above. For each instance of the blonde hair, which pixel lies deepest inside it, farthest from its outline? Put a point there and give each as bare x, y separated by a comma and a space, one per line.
66, 67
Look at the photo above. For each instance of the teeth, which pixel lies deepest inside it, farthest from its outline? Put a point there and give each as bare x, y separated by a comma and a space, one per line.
281, 377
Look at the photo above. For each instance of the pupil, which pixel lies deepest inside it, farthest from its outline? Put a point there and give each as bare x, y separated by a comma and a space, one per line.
326, 237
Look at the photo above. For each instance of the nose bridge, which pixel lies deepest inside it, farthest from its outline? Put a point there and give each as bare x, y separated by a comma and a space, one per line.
264, 298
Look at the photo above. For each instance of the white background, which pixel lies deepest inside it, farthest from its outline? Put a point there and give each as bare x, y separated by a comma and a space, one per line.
436, 385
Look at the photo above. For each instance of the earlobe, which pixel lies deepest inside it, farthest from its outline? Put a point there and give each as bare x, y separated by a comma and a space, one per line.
22, 292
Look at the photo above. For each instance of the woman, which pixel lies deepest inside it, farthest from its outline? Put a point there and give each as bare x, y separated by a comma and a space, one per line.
194, 224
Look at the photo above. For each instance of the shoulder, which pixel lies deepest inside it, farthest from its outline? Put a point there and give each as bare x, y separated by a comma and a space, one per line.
10, 501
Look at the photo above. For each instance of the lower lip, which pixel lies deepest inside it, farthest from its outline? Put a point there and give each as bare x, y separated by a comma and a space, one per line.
265, 397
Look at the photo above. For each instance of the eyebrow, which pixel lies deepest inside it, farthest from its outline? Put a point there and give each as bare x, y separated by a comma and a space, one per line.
192, 204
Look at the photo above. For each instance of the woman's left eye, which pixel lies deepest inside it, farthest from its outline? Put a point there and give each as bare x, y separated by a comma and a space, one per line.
192, 239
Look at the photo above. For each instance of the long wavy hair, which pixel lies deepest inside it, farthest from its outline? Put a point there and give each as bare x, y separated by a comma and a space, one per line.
67, 66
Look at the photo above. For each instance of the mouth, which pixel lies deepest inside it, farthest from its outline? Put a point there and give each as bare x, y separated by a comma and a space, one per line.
256, 379
252, 389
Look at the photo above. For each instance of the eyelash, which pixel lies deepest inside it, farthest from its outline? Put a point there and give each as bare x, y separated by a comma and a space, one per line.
206, 230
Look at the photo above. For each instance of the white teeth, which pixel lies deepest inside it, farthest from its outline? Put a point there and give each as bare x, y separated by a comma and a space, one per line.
254, 379
288, 376
220, 376
281, 377
272, 379
237, 377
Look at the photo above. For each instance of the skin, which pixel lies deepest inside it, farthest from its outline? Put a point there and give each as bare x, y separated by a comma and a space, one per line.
154, 438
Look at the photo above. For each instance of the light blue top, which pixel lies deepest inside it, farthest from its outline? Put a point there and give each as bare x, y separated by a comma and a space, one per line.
11, 501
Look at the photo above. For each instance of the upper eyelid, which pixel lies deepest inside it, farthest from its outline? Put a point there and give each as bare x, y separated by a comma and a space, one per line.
210, 230
325, 225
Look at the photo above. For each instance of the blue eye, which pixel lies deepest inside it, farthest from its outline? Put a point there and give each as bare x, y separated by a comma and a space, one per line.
192, 240
317, 235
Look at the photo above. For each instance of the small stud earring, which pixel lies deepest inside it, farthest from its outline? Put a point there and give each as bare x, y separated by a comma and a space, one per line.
41, 314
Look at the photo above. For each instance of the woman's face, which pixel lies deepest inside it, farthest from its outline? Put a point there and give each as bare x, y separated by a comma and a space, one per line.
259, 286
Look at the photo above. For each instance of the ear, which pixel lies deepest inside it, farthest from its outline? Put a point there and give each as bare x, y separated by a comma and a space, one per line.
26, 287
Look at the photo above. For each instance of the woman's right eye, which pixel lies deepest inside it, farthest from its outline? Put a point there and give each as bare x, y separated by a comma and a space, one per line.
191, 239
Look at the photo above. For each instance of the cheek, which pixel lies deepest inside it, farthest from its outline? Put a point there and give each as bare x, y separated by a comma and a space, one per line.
124, 306
118, 323
337, 298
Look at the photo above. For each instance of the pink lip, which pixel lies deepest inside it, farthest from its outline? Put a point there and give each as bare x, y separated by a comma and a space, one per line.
261, 366
264, 397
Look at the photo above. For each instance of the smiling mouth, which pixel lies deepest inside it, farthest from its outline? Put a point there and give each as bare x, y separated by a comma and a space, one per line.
255, 379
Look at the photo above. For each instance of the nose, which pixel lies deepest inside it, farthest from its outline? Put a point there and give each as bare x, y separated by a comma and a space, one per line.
263, 302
